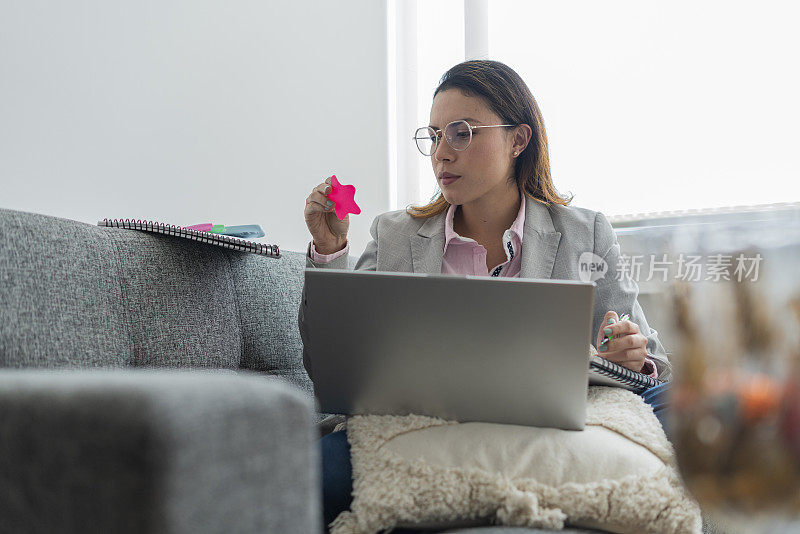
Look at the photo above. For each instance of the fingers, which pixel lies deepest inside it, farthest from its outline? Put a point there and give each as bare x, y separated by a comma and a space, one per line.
316, 204
318, 200
632, 358
324, 187
626, 342
609, 318
621, 328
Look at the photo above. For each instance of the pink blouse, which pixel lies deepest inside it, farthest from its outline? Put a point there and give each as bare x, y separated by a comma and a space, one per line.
463, 255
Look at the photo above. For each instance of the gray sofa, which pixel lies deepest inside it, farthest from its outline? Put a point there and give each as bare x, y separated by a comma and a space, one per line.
153, 384
150, 384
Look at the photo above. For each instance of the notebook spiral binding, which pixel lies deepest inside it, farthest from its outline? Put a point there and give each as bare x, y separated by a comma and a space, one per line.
625, 375
226, 241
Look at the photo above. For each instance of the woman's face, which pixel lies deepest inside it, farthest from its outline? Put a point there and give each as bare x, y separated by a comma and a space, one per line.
486, 166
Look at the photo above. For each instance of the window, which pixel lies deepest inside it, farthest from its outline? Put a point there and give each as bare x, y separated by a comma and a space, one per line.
428, 39
649, 106
653, 106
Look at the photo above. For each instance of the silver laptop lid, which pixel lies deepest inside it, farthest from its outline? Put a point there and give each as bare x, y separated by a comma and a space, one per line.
466, 348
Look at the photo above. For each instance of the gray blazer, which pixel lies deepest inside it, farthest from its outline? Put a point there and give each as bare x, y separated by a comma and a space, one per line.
554, 238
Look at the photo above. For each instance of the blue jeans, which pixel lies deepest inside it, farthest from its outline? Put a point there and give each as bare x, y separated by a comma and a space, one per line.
337, 473
658, 399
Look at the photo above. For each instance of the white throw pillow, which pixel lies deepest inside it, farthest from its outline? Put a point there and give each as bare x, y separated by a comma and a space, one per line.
618, 474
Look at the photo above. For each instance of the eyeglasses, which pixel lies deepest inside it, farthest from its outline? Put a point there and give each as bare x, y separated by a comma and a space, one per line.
458, 135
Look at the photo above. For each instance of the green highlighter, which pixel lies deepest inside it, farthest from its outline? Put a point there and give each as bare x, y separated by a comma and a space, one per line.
244, 230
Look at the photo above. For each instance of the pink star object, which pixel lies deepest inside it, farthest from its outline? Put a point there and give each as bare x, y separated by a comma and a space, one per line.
343, 197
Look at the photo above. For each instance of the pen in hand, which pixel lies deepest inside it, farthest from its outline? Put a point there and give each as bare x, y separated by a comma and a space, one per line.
623, 317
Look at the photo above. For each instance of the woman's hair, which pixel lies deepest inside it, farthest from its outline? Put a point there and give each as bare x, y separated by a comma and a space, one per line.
507, 95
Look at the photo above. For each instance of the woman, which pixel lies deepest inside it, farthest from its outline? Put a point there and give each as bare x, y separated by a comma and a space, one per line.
497, 214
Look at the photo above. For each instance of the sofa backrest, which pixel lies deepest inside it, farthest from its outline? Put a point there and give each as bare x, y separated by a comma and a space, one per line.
77, 295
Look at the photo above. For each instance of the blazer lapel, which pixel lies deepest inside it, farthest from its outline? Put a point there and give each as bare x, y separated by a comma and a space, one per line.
427, 246
538, 250
540, 242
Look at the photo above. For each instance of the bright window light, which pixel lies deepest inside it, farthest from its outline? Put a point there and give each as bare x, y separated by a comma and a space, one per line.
655, 106
440, 33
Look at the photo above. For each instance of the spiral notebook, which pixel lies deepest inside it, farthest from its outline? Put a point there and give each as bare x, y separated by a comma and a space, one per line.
229, 242
603, 372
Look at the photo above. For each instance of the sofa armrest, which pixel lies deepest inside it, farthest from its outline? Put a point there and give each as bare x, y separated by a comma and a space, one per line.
156, 451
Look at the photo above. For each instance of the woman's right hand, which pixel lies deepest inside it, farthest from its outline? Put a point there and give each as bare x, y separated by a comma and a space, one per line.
328, 231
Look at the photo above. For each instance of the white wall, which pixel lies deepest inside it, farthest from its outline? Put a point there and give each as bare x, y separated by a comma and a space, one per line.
193, 111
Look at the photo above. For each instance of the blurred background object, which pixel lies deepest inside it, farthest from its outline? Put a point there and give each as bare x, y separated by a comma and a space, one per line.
721, 287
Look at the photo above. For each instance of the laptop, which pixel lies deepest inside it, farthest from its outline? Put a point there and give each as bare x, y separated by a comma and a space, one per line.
459, 347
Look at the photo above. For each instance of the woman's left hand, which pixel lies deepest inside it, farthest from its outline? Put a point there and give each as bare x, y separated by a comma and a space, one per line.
628, 348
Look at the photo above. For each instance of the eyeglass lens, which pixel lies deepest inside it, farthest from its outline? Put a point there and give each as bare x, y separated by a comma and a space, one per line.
458, 135
426, 139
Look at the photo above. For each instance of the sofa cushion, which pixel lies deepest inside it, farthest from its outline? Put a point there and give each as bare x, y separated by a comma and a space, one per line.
268, 294
60, 297
77, 295
178, 301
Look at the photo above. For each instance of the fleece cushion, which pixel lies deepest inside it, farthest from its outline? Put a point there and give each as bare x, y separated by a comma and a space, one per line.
618, 474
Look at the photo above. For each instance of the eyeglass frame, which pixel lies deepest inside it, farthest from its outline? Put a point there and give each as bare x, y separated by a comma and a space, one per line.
440, 133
